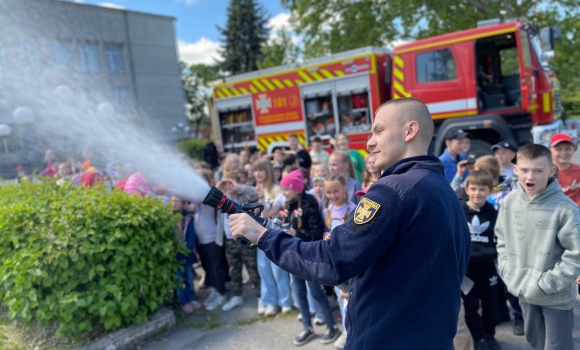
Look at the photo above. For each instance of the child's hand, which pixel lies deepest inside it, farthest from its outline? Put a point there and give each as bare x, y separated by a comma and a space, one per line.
343, 295
327, 237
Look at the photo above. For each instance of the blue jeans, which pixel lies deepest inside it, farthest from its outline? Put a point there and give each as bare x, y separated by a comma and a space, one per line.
312, 304
185, 292
299, 286
342, 307
274, 283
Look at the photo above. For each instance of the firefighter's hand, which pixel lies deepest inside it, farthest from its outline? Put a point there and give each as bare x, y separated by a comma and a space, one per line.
244, 225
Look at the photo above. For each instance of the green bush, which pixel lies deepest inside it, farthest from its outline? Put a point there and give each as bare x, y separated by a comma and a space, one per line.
571, 106
84, 258
192, 147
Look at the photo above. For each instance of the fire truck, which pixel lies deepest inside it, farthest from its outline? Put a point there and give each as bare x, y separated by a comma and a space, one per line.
494, 81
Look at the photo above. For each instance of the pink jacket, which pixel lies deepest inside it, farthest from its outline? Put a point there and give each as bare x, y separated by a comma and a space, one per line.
136, 184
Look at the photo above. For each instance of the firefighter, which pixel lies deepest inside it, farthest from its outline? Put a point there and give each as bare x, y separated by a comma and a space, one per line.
405, 248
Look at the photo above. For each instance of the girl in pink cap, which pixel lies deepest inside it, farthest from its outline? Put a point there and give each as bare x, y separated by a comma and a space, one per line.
301, 218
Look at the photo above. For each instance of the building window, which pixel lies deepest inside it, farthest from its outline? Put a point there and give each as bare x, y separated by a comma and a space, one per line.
436, 66
114, 58
88, 57
120, 95
60, 54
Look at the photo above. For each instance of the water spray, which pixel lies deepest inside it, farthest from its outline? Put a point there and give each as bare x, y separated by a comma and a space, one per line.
216, 199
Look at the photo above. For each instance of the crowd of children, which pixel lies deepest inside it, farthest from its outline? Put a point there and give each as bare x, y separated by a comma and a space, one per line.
521, 206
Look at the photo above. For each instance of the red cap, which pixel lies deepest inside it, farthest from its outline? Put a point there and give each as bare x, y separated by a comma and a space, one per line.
556, 139
362, 192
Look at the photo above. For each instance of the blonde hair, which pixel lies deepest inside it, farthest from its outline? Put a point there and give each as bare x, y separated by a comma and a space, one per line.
489, 164
228, 168
345, 158
269, 182
367, 177
342, 181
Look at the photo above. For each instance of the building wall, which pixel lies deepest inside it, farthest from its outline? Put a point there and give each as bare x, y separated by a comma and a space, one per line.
148, 91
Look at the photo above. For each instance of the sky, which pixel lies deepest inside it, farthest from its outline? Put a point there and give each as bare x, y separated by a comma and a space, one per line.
196, 20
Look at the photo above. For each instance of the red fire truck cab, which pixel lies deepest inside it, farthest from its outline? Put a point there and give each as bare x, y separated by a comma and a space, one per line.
493, 81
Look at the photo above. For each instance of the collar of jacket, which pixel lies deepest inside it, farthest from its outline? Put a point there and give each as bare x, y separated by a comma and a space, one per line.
418, 162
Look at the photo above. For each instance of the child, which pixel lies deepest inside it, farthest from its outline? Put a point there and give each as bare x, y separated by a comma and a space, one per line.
244, 157
186, 233
338, 209
340, 163
562, 148
453, 154
505, 153
538, 246
481, 217
371, 173
318, 190
274, 282
238, 255
210, 253
302, 219
317, 153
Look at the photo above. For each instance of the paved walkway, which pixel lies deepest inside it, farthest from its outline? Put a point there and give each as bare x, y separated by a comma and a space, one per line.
242, 329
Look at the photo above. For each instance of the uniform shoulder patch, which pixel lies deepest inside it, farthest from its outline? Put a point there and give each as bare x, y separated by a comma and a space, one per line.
365, 211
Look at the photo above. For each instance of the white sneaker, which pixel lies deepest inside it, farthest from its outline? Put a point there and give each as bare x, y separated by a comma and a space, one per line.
286, 309
216, 302
271, 310
261, 308
246, 280
233, 302
212, 294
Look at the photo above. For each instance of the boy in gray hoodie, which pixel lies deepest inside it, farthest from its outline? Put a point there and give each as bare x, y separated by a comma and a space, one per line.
538, 242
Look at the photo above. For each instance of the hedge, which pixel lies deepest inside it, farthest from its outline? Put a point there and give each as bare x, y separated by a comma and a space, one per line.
84, 258
192, 147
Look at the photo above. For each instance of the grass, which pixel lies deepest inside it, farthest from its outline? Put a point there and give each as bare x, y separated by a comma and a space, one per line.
211, 322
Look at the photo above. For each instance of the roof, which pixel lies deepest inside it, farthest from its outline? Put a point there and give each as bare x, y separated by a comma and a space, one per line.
464, 35
309, 63
114, 9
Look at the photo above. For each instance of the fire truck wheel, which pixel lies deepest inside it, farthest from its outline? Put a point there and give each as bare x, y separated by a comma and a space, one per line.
480, 148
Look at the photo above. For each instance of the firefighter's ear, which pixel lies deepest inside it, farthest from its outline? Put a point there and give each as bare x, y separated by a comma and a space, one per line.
411, 130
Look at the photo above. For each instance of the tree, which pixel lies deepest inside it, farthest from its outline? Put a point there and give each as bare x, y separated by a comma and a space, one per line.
331, 26
279, 50
243, 36
196, 79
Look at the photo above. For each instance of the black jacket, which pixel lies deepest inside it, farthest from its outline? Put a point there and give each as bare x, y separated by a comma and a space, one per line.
481, 225
312, 228
405, 249
210, 154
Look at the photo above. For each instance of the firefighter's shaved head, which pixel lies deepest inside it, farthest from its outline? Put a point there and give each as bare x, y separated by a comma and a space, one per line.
410, 109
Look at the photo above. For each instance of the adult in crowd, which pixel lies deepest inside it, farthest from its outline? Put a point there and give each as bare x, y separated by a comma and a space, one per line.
342, 144
402, 230
210, 152
303, 156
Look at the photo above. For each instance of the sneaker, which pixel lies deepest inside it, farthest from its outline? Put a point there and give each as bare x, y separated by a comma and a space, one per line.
261, 308
341, 341
304, 337
319, 321
233, 302
480, 345
330, 335
187, 309
211, 296
492, 344
286, 309
519, 327
271, 310
216, 302
195, 305
246, 280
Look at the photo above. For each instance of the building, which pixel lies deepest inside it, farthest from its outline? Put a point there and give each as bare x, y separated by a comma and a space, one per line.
123, 58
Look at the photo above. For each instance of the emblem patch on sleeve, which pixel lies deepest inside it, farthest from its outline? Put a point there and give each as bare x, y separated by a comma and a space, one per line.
365, 211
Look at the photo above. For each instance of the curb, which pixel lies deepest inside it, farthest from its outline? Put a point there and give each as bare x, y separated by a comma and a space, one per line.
160, 321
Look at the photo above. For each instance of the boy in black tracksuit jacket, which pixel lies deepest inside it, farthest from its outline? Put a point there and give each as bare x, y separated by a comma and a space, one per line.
481, 217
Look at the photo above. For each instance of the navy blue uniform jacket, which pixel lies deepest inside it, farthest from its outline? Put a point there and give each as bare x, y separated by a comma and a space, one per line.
405, 265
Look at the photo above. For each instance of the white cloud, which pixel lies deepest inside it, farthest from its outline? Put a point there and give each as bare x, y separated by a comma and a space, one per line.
280, 21
188, 2
111, 5
202, 51
79, 1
